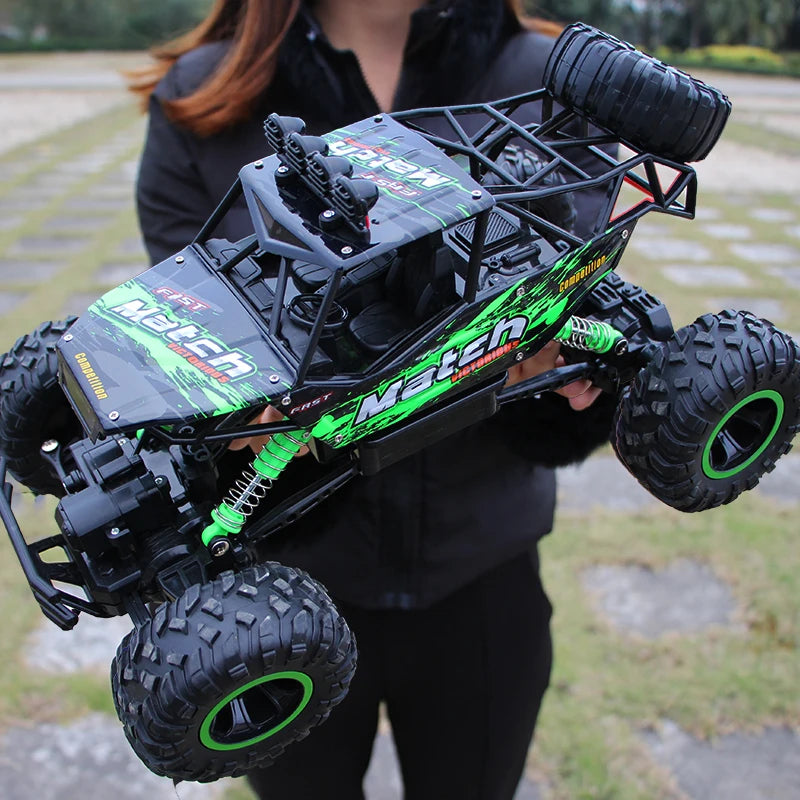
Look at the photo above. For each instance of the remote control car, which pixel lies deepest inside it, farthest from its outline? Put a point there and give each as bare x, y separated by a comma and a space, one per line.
397, 268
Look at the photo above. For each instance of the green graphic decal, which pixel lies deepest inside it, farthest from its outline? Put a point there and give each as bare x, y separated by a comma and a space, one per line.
514, 319
192, 359
407, 169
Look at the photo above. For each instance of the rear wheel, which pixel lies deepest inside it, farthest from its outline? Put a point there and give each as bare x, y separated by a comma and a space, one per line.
226, 677
711, 413
34, 409
648, 104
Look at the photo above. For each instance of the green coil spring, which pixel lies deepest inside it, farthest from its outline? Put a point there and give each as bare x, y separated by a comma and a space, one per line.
591, 335
252, 486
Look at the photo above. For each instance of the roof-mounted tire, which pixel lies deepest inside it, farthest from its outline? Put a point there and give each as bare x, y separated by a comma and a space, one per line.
652, 106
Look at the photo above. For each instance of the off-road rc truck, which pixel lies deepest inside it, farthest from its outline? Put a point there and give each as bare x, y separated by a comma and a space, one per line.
397, 268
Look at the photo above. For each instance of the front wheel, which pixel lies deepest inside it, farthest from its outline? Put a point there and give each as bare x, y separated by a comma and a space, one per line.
33, 408
221, 680
712, 412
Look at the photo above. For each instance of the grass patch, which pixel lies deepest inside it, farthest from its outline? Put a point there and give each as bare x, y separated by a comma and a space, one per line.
47, 300
25, 692
685, 303
239, 790
754, 135
733, 58
607, 685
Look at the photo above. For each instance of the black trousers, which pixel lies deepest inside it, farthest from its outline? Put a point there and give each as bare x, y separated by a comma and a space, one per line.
462, 681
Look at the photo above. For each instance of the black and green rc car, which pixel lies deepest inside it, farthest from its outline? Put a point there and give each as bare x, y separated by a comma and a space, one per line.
396, 269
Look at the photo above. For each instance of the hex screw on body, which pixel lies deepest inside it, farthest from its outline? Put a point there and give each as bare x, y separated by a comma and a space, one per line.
219, 547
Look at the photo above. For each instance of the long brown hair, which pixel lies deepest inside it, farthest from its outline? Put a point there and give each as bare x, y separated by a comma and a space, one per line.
256, 29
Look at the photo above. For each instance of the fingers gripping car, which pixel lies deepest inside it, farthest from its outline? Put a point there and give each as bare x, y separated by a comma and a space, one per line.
396, 270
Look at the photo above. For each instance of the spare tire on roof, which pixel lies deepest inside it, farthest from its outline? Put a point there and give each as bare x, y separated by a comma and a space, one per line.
646, 103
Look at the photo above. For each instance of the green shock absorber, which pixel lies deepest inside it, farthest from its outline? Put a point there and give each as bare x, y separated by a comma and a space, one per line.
591, 335
251, 487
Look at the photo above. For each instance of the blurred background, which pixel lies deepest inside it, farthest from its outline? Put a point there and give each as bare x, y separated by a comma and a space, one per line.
768, 31
677, 660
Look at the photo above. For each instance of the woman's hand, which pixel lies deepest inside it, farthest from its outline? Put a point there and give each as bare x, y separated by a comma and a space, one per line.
581, 393
255, 443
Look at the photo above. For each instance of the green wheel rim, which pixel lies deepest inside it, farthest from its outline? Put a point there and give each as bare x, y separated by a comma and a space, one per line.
743, 434
256, 711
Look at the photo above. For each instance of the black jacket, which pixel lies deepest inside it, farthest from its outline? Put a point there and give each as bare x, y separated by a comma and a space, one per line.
427, 525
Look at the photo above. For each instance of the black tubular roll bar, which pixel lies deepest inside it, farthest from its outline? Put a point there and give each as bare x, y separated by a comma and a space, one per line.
572, 157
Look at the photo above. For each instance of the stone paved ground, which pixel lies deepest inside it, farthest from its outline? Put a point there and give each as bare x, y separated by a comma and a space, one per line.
67, 233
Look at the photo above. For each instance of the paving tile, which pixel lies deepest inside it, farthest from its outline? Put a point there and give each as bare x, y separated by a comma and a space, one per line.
782, 485
17, 202
659, 249
124, 174
77, 222
88, 164
133, 246
7, 222
727, 230
89, 646
383, 780
48, 245
115, 274
9, 300
600, 481
117, 190
764, 307
684, 597
738, 766
695, 275
773, 214
78, 303
793, 230
739, 200
44, 192
9, 171
89, 203
790, 275
766, 253
28, 271
89, 757
55, 181
705, 213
